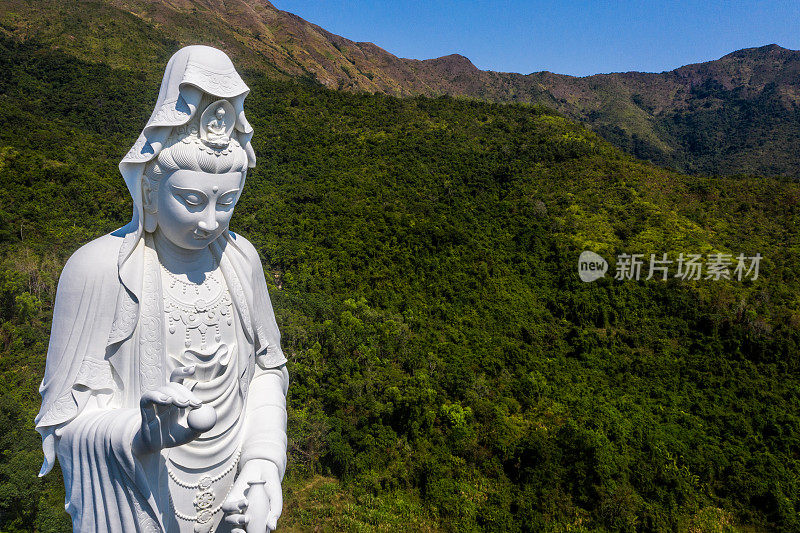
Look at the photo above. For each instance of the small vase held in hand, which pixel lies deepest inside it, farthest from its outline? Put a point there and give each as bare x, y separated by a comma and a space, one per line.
257, 508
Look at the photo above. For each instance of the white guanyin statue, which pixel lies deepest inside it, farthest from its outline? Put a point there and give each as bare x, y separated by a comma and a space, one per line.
164, 396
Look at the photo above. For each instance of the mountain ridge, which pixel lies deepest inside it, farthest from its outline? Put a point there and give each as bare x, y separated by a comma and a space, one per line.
736, 114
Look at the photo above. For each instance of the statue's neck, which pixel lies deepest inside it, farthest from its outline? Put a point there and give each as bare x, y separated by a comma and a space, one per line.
181, 260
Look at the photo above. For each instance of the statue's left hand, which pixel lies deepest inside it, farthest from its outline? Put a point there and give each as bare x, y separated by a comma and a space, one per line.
239, 508
164, 420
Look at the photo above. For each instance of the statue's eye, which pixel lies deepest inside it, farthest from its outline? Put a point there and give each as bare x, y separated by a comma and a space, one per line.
192, 199
227, 199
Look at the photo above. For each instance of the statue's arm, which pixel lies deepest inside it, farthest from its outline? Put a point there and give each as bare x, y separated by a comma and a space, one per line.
256, 497
263, 457
265, 418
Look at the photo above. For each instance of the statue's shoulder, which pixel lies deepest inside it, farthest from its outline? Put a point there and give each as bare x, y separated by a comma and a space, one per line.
96, 259
246, 247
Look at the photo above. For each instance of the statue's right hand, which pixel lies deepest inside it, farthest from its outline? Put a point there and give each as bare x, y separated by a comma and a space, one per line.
171, 415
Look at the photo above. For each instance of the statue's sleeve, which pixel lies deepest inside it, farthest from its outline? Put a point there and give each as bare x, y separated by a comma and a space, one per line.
106, 486
265, 414
267, 336
76, 368
265, 418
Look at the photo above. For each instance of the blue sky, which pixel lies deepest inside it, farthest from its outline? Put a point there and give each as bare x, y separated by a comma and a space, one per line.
578, 38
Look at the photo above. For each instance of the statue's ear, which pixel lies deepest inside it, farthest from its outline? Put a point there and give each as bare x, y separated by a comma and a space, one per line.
150, 222
150, 206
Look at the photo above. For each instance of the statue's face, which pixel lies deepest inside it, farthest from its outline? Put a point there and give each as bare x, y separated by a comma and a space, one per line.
194, 208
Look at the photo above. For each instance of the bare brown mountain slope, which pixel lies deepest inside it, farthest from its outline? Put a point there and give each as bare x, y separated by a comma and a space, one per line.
740, 113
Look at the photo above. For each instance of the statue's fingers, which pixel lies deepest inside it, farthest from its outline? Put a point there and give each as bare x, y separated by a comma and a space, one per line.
275, 504
272, 521
180, 434
181, 396
235, 504
183, 392
237, 519
155, 397
178, 394
157, 440
152, 427
236, 500
150, 414
146, 430
180, 373
177, 401
151, 404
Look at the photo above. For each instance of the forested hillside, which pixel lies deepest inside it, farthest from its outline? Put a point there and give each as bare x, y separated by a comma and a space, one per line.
450, 372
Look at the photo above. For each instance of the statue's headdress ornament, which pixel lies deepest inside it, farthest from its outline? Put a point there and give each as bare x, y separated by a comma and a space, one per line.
216, 124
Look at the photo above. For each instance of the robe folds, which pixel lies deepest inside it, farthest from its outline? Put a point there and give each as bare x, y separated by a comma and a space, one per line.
107, 348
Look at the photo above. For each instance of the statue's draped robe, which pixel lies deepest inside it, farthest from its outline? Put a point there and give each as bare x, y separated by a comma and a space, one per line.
107, 348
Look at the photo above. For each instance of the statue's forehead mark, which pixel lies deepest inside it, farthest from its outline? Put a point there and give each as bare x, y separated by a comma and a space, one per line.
215, 189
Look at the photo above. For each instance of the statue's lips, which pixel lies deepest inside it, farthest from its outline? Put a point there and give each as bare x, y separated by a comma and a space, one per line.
201, 235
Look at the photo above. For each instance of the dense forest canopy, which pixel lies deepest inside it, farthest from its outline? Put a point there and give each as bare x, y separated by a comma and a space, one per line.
450, 371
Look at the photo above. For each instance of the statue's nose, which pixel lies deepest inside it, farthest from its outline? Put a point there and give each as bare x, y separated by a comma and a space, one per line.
209, 223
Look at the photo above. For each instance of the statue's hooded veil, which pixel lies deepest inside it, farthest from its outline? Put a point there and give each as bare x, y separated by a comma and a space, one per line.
89, 346
190, 72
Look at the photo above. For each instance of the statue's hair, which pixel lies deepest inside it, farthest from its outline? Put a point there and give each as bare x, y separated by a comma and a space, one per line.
189, 153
